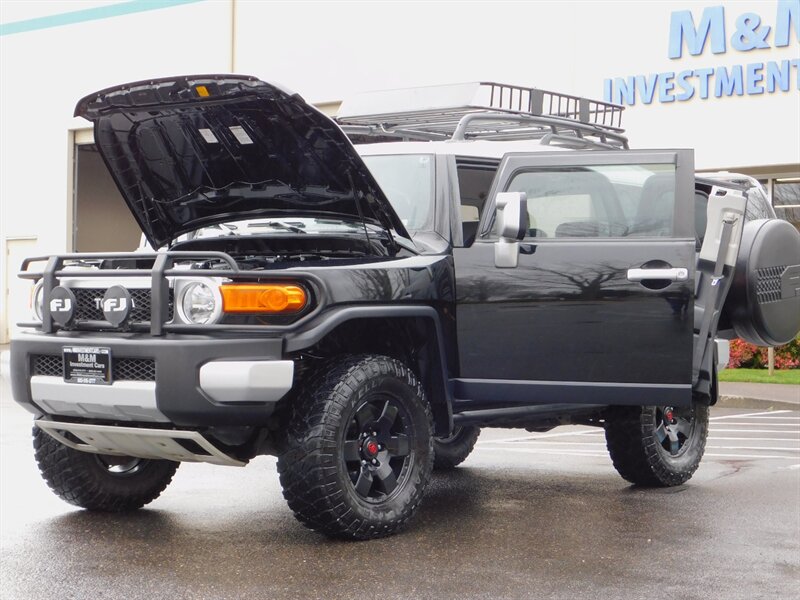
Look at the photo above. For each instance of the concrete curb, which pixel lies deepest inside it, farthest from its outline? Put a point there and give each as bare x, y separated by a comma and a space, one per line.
756, 403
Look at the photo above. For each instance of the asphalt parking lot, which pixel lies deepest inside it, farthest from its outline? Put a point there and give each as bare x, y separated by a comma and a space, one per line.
527, 516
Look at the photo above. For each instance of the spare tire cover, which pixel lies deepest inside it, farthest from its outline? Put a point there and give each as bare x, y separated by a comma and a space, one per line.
764, 300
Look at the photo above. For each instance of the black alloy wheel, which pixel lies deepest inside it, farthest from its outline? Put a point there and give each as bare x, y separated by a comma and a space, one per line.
377, 451
358, 452
121, 466
656, 446
674, 429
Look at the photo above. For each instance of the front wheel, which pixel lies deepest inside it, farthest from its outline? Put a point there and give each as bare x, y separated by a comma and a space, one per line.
359, 448
100, 482
656, 446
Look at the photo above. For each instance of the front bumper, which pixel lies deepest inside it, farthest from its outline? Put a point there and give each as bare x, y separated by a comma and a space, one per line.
198, 380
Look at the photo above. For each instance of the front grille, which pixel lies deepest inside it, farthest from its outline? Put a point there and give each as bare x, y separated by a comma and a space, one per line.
89, 309
768, 284
133, 369
122, 369
48, 364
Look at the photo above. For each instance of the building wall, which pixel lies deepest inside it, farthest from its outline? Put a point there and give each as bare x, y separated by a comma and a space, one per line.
103, 220
329, 50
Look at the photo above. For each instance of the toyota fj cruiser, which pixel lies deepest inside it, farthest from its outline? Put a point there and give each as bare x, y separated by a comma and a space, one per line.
487, 255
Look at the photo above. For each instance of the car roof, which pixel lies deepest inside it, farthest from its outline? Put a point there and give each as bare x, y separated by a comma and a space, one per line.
470, 148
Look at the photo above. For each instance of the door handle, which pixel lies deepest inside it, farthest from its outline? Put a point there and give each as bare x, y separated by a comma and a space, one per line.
675, 274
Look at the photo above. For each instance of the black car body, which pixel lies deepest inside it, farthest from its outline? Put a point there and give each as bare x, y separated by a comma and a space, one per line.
552, 318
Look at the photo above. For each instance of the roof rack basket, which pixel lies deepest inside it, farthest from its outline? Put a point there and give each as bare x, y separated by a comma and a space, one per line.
484, 110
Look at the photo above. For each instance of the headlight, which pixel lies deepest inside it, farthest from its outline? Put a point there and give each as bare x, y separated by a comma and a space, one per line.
198, 304
37, 301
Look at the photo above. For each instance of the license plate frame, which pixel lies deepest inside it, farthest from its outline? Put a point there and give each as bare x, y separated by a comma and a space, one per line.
87, 365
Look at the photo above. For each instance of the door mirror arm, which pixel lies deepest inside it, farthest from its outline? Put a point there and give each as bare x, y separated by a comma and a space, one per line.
512, 225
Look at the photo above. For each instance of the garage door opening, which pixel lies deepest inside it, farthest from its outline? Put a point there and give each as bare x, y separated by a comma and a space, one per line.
101, 219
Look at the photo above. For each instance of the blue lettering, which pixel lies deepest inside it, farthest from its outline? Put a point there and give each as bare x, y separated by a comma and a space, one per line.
607, 90
626, 92
728, 82
703, 75
788, 14
754, 75
646, 87
796, 64
688, 88
682, 29
778, 72
665, 87
749, 34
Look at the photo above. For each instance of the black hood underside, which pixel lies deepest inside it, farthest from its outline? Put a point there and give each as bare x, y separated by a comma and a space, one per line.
192, 151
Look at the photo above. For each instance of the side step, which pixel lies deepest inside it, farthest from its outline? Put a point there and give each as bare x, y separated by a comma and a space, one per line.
139, 442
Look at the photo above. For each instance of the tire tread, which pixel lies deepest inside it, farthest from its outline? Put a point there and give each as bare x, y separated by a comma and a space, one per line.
307, 467
77, 478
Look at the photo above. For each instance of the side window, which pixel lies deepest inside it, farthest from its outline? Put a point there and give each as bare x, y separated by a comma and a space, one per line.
598, 201
474, 182
700, 217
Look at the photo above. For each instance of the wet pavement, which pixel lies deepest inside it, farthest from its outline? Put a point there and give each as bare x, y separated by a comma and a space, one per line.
527, 516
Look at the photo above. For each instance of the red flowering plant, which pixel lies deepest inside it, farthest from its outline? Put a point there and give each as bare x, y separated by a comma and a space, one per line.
750, 356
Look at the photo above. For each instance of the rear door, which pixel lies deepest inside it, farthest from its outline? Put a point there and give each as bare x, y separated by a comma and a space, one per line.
600, 307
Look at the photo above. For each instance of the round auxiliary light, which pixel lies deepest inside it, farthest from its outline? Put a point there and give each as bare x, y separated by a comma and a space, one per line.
198, 303
38, 301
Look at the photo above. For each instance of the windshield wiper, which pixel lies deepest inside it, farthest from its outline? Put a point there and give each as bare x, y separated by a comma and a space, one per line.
282, 225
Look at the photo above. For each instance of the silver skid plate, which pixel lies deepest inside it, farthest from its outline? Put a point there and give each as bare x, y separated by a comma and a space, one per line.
138, 442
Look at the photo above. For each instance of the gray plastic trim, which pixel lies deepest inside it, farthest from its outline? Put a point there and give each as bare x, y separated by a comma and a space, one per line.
122, 400
247, 380
137, 442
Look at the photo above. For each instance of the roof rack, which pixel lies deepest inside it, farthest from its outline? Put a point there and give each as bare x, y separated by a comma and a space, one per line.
487, 111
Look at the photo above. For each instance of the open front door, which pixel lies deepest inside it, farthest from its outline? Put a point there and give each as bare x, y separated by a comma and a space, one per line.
599, 309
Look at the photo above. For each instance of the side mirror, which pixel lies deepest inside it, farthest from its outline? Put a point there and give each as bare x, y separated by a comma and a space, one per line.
512, 225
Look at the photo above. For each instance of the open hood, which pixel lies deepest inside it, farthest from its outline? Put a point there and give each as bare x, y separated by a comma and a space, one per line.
192, 151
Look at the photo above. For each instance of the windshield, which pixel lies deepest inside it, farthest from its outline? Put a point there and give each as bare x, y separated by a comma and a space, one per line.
407, 180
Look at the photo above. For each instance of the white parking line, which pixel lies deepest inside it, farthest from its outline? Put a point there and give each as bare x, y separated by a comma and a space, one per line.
761, 419
758, 423
711, 436
748, 456
568, 452
753, 431
545, 444
600, 432
757, 417
740, 416
771, 448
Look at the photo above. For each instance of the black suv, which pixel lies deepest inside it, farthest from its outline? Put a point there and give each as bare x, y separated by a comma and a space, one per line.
501, 258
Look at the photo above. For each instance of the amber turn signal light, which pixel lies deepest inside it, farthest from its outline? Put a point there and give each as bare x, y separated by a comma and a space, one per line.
262, 298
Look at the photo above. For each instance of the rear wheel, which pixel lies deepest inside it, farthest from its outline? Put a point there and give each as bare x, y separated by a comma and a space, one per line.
98, 481
657, 446
451, 451
359, 452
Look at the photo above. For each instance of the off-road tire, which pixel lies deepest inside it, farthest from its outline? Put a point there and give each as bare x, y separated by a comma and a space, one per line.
316, 469
451, 451
81, 478
640, 458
